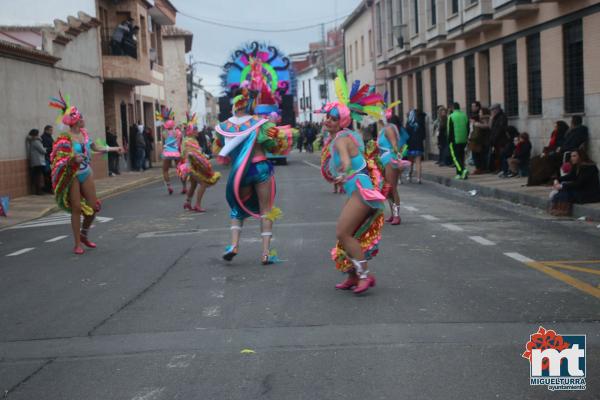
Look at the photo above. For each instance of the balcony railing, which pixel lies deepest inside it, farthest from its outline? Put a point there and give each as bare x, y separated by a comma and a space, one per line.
127, 47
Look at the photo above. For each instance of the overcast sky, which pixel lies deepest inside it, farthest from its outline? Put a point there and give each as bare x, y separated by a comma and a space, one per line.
211, 43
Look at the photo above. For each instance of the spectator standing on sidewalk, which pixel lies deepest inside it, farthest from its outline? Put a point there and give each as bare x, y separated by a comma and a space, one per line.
48, 142
416, 148
140, 151
149, 137
440, 126
458, 127
499, 138
479, 140
37, 160
113, 157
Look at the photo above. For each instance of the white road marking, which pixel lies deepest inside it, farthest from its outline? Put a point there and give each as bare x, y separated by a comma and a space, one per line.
410, 208
192, 232
311, 164
452, 227
519, 257
211, 311
430, 217
149, 394
217, 293
19, 252
181, 361
481, 240
56, 239
53, 220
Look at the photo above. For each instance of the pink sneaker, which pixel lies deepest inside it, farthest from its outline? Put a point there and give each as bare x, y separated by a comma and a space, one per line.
349, 283
364, 284
395, 221
78, 250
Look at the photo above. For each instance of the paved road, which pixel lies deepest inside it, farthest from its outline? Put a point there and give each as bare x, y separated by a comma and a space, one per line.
154, 313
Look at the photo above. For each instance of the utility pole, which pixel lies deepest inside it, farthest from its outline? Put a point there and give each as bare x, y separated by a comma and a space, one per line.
323, 61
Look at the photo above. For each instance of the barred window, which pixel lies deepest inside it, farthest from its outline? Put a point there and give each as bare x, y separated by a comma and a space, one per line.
419, 91
534, 74
378, 32
573, 66
399, 90
511, 86
416, 11
470, 80
433, 80
433, 12
454, 7
389, 23
449, 83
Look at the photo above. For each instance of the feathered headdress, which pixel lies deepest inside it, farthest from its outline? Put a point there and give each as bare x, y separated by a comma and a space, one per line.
388, 109
191, 120
163, 116
68, 115
355, 103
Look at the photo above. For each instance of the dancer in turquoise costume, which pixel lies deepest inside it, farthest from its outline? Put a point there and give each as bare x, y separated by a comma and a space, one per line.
345, 161
392, 140
243, 140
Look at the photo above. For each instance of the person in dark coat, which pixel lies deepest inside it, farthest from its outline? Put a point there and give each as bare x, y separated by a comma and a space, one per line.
48, 142
499, 138
113, 158
149, 137
576, 137
581, 185
416, 136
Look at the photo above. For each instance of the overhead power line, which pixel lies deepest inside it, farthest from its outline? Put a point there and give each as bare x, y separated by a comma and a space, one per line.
246, 28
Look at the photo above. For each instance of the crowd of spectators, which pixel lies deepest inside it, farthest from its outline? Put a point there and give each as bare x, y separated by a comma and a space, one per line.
496, 147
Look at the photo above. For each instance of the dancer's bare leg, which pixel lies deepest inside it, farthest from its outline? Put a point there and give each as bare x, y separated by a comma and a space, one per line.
75, 200
201, 189
263, 191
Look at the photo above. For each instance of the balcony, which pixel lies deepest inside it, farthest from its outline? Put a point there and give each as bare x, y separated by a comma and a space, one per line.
126, 70
513, 9
477, 17
436, 37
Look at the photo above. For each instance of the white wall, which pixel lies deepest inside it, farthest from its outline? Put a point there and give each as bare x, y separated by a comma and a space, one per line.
312, 80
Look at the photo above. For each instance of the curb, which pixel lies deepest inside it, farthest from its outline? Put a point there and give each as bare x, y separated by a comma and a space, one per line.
579, 210
101, 195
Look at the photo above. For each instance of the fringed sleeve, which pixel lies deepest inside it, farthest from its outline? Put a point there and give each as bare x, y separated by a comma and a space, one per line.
64, 169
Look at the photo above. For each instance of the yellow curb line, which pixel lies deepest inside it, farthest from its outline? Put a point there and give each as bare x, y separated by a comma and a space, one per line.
576, 283
573, 268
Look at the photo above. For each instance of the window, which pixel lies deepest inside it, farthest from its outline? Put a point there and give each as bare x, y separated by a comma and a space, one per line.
350, 58
144, 33
470, 80
392, 93
419, 91
416, 14
399, 15
389, 23
379, 32
362, 50
453, 7
370, 44
534, 74
433, 81
399, 90
573, 66
433, 12
449, 83
356, 54
511, 86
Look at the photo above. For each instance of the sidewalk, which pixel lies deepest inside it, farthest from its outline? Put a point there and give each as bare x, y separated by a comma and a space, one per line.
510, 189
26, 208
